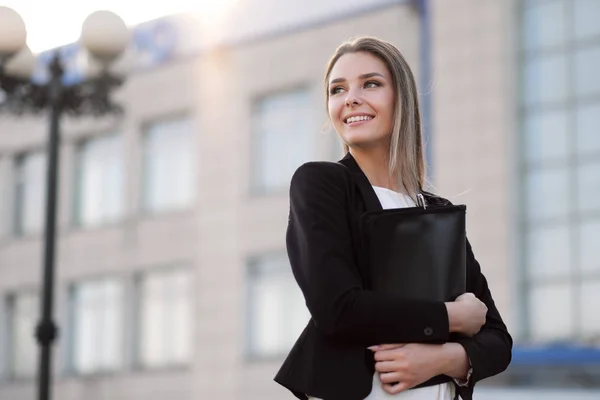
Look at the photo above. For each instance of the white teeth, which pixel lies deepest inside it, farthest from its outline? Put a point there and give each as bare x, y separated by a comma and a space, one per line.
358, 118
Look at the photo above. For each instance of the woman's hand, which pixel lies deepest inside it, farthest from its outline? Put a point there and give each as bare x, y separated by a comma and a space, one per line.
466, 314
403, 366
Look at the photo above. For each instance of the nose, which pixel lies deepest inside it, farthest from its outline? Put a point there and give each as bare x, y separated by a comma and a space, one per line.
353, 98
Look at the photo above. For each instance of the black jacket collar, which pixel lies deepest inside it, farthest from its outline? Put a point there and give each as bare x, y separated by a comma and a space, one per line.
369, 196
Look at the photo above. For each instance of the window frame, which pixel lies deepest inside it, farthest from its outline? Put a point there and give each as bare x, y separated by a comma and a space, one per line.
253, 262
257, 188
146, 127
8, 303
71, 367
76, 217
17, 225
138, 363
571, 165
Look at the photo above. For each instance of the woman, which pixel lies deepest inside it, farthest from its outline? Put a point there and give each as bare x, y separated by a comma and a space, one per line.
360, 344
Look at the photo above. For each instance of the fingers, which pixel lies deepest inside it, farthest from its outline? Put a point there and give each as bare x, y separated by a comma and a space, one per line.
386, 346
390, 378
395, 388
386, 366
387, 355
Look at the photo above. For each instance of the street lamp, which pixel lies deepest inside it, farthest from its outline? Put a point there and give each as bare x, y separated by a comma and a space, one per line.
105, 36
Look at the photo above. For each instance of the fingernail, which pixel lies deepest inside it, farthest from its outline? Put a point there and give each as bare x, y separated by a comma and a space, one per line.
373, 348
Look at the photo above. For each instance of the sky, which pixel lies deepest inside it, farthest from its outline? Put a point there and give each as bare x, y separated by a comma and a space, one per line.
51, 23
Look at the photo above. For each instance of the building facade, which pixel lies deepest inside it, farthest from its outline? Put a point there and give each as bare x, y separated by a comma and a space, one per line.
172, 277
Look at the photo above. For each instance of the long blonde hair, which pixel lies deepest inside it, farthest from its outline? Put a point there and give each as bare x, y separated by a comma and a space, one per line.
407, 159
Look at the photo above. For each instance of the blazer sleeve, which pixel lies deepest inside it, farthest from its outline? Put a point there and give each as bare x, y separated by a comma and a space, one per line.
490, 350
319, 245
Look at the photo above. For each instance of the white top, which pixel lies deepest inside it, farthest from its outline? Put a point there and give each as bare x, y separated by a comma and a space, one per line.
390, 199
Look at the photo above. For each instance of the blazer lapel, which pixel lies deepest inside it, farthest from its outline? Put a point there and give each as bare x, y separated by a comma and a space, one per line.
368, 194
366, 190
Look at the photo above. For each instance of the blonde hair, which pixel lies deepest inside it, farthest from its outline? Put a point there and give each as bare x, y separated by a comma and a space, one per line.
406, 145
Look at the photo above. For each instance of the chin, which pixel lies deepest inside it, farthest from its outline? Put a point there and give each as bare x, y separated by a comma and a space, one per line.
362, 139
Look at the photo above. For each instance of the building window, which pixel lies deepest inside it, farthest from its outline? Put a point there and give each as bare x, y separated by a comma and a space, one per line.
30, 193
23, 317
169, 165
97, 326
284, 137
100, 181
165, 318
276, 309
560, 105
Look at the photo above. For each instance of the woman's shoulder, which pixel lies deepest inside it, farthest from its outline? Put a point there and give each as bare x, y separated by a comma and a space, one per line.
321, 174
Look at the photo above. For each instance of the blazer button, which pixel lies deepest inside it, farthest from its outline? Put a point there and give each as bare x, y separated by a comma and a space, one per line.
428, 331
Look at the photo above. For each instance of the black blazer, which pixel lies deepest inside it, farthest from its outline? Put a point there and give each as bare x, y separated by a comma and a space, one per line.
330, 360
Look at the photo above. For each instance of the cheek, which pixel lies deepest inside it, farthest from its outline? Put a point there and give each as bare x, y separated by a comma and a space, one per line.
390, 105
387, 108
333, 110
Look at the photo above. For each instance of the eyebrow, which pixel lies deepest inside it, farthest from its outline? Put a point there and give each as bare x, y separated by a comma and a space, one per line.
363, 76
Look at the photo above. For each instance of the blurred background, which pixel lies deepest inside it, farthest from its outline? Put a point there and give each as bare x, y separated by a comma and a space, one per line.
172, 280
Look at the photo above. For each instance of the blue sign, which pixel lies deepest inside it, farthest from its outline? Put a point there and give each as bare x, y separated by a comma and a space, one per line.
555, 355
152, 44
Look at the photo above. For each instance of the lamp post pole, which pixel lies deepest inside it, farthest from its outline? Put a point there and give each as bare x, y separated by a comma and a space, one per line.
47, 330
105, 37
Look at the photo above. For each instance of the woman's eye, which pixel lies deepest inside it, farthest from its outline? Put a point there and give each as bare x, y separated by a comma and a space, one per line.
372, 84
335, 90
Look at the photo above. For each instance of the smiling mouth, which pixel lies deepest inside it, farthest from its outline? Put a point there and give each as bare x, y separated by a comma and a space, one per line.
358, 118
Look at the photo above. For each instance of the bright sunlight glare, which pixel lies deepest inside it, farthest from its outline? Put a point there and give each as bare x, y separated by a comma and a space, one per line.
52, 23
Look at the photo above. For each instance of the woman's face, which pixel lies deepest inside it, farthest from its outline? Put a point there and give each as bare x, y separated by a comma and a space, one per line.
361, 100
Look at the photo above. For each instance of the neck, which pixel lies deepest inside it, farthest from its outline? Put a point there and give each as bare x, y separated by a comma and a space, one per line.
374, 163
